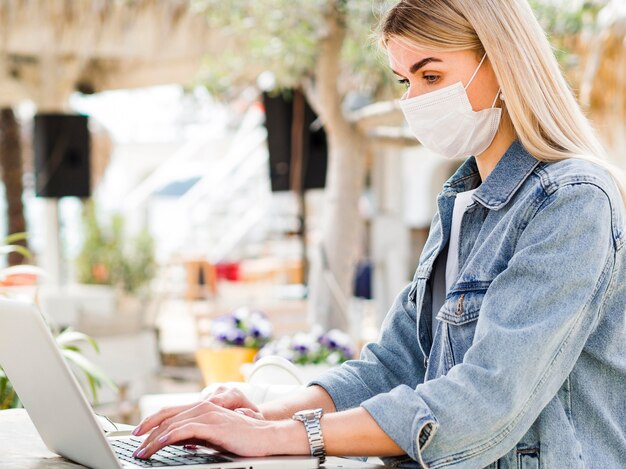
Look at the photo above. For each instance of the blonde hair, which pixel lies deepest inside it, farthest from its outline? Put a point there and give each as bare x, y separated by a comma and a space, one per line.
551, 125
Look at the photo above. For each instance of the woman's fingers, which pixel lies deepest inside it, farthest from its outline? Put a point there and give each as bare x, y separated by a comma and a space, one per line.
200, 409
161, 436
217, 428
250, 413
155, 420
181, 432
223, 396
231, 399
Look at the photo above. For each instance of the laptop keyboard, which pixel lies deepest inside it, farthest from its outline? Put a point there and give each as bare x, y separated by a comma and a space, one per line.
168, 456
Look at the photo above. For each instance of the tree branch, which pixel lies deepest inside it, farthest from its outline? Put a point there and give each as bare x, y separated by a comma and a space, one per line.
328, 67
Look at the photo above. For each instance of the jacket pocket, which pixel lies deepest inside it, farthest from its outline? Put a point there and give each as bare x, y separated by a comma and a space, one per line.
458, 318
528, 458
462, 307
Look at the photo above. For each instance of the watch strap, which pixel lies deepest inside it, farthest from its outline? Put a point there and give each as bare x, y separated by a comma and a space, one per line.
311, 421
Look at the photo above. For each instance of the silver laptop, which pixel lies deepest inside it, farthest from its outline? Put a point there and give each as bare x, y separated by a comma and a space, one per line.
63, 417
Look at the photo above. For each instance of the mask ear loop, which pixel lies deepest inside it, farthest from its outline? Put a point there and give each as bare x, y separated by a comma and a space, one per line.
474, 76
495, 100
476, 72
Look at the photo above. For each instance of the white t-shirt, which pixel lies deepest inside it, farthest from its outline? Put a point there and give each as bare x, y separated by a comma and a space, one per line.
463, 200
444, 278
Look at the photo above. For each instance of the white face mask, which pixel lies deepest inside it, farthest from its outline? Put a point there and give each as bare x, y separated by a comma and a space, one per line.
444, 121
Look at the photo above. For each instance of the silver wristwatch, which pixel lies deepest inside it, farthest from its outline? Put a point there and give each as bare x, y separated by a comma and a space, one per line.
311, 419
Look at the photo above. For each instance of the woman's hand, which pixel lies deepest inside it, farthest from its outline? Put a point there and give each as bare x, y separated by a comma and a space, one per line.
349, 433
223, 396
211, 425
234, 399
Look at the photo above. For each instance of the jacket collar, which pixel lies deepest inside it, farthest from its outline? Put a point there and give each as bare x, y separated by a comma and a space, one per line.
506, 178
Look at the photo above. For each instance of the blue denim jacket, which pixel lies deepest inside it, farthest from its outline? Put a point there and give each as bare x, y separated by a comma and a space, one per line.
527, 366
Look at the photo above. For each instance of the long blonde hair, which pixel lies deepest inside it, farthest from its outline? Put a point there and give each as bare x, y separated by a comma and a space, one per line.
543, 110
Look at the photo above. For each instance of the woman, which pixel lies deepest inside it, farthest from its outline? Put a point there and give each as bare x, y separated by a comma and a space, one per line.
508, 348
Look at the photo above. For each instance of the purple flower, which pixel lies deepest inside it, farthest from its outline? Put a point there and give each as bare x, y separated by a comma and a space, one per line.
242, 327
301, 348
347, 352
236, 336
333, 347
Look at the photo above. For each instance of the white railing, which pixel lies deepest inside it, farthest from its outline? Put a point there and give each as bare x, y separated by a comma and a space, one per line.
233, 198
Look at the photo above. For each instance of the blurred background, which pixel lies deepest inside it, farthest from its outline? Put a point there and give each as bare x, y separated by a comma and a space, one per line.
206, 175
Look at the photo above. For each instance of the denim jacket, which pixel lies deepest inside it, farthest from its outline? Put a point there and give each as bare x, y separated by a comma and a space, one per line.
527, 365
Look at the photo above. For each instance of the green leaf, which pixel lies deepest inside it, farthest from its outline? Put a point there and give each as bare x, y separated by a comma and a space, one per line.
93, 386
91, 371
13, 238
69, 337
4, 383
10, 400
9, 248
72, 347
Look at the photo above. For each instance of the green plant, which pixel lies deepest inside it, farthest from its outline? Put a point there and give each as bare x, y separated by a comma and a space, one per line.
107, 257
68, 340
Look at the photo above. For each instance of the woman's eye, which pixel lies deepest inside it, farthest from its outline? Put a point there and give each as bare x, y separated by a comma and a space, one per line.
404, 82
431, 79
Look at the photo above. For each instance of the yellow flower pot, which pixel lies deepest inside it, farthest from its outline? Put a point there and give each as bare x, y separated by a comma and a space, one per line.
220, 365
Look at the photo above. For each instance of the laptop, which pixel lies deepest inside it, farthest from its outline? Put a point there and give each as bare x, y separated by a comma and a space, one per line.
64, 418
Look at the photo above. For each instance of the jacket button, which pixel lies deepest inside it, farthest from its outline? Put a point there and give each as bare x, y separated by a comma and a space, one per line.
459, 305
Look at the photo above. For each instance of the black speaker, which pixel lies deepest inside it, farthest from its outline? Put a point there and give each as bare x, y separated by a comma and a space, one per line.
281, 110
61, 146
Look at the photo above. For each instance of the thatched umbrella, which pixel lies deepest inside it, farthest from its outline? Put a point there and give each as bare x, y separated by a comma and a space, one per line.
95, 45
50, 48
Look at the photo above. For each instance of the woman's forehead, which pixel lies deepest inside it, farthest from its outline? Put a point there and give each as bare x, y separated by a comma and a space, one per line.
406, 57
402, 47
401, 52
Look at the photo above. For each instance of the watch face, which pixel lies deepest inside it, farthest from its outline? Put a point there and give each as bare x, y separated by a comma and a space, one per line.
301, 414
307, 414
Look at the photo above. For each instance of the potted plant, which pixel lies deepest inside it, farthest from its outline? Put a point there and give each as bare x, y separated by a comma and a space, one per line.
234, 339
312, 352
109, 257
68, 340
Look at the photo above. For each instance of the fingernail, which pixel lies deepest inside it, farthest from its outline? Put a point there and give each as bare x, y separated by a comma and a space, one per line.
239, 411
136, 431
141, 453
163, 439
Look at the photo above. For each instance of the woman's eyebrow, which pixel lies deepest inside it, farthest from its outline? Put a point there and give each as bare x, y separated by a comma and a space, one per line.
422, 63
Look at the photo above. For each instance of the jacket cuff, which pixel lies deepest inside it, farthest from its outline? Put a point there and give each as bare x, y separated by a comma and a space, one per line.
405, 418
345, 389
